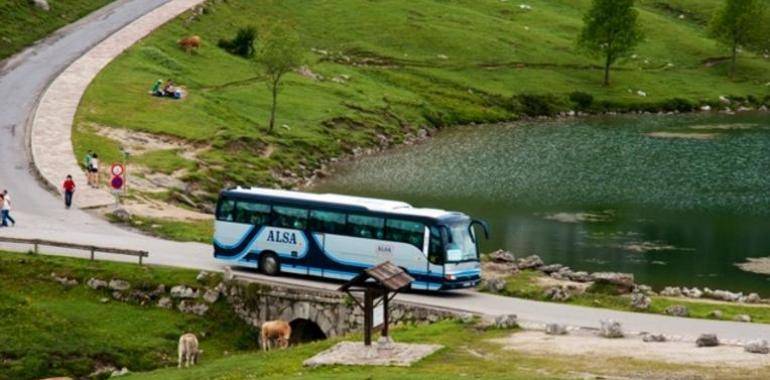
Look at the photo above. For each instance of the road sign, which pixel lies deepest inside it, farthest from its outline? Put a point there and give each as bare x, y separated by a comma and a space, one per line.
117, 182
117, 169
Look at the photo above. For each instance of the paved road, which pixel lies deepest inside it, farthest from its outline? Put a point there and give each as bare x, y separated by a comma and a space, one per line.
40, 213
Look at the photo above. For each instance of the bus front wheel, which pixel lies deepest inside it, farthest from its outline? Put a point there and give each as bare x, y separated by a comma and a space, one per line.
270, 265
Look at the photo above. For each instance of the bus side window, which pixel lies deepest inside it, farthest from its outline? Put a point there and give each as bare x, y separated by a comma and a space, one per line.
225, 210
405, 231
290, 217
435, 251
366, 226
327, 222
251, 213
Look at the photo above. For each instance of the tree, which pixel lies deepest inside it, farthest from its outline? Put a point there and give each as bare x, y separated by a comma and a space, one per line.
611, 31
280, 53
738, 23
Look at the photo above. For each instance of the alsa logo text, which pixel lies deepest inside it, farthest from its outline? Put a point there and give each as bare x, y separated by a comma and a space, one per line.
282, 237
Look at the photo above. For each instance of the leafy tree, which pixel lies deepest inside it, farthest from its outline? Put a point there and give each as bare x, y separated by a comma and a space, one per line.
611, 30
280, 53
243, 42
738, 23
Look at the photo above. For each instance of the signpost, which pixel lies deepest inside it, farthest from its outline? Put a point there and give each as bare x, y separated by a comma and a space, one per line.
117, 170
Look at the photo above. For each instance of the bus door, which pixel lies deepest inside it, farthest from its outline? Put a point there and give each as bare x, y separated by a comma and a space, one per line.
434, 253
321, 262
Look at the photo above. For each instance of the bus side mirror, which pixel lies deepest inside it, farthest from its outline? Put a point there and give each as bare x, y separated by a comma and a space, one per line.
484, 227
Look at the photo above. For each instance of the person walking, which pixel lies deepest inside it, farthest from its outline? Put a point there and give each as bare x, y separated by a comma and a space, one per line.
87, 165
95, 170
7, 208
69, 191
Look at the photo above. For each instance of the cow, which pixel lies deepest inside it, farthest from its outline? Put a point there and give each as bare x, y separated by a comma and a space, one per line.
188, 350
275, 330
189, 43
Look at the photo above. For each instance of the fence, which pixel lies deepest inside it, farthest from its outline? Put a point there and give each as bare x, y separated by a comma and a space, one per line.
36, 243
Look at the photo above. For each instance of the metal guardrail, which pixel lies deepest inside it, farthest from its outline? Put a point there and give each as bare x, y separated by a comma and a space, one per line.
36, 243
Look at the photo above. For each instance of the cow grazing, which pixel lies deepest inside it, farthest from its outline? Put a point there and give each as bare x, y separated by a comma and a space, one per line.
275, 330
188, 350
189, 43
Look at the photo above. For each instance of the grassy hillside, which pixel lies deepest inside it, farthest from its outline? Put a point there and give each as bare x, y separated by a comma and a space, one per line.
21, 23
411, 63
48, 329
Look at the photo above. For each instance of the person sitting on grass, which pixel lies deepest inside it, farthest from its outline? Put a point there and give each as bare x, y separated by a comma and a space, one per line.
155, 91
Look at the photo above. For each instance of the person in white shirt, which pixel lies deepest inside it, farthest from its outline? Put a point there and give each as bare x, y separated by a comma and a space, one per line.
6, 209
95, 170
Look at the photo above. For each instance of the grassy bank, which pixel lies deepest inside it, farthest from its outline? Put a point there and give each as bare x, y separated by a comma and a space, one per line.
389, 69
21, 23
526, 284
49, 329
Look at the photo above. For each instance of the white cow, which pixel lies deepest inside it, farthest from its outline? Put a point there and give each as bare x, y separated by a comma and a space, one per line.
188, 350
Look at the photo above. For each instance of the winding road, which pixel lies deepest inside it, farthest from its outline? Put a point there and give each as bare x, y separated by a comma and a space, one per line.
40, 213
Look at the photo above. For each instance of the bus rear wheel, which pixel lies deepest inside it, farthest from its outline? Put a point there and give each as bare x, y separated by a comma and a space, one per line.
269, 264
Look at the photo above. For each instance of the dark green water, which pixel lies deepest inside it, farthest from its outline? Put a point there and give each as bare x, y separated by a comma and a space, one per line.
599, 193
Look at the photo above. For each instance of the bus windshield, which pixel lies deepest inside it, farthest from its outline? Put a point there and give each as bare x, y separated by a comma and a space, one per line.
460, 245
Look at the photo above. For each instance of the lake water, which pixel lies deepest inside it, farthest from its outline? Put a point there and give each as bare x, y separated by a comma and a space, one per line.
676, 200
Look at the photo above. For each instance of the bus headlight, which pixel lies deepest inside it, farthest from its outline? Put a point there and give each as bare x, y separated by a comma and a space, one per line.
450, 277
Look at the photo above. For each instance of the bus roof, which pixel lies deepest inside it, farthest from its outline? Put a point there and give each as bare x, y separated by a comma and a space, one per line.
363, 203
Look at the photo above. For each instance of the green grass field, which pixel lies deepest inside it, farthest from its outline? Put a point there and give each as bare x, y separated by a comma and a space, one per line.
21, 23
47, 329
411, 64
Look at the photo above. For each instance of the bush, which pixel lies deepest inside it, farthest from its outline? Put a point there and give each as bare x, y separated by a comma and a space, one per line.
582, 100
539, 105
243, 43
676, 104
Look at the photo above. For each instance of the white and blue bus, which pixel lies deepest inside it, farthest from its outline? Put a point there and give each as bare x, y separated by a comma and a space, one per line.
336, 236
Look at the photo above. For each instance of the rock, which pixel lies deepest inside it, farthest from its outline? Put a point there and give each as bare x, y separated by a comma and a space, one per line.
677, 311
211, 295
671, 291
104, 300
96, 284
552, 268
716, 314
610, 329
753, 298
119, 285
506, 321
645, 289
555, 329
124, 371
654, 338
705, 108
165, 303
743, 318
558, 293
579, 276
530, 262
465, 317
42, 5
65, 281
723, 295
193, 307
202, 276
228, 274
622, 280
501, 256
707, 340
757, 347
640, 301
121, 214
181, 291
159, 291
495, 285
692, 293
306, 72
724, 100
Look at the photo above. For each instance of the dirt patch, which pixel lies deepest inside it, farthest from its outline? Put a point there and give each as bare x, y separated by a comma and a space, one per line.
160, 210
760, 265
136, 142
682, 135
675, 352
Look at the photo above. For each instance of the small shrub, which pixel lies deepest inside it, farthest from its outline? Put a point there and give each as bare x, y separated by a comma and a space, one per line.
539, 105
676, 104
582, 100
242, 44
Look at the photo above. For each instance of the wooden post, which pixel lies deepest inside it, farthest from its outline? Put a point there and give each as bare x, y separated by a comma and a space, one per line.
385, 314
140, 258
368, 317
36, 248
92, 253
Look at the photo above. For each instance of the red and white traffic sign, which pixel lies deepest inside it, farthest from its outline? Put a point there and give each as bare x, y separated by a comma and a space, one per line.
117, 169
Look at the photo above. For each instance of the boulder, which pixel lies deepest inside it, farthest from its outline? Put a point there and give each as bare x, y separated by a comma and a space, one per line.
555, 329
64, 280
193, 307
716, 314
495, 285
753, 298
501, 256
211, 295
96, 284
558, 293
121, 214
623, 281
677, 311
228, 274
530, 262
610, 329
42, 5
159, 291
506, 321
181, 291
123, 371
707, 340
465, 317
757, 347
165, 303
743, 318
202, 276
692, 293
640, 301
579, 276
671, 291
119, 285
548, 269
654, 338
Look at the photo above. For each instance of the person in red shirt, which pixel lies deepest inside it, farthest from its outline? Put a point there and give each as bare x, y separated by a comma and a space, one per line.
69, 190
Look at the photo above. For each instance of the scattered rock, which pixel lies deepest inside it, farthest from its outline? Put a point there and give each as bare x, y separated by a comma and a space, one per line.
306, 72
159, 291
640, 301
743, 318
165, 303
555, 329
579, 276
677, 311
530, 262
753, 298
123, 371
610, 329
211, 295
64, 280
624, 281
716, 314
121, 214
506, 321
202, 276
119, 285
193, 308
707, 340
181, 291
495, 285
705, 108
104, 300
551, 268
757, 347
501, 256
228, 274
96, 284
42, 5
671, 291
654, 338
558, 293
465, 317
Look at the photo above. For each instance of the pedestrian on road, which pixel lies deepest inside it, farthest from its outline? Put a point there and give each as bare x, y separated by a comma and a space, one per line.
95, 170
69, 191
87, 165
6, 209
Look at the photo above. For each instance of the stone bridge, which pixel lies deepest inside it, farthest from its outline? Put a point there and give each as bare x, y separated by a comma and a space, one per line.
315, 313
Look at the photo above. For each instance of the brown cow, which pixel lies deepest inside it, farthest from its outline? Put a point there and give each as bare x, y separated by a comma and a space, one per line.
190, 43
275, 330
